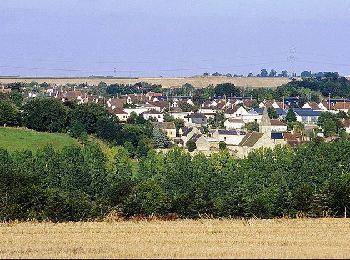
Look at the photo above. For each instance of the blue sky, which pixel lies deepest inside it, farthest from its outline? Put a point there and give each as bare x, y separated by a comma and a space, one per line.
172, 38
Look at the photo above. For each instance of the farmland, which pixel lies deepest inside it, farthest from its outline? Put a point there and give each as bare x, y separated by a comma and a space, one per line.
276, 238
21, 139
251, 82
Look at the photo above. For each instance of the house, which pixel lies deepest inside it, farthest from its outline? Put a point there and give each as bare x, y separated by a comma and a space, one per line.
177, 113
278, 126
202, 143
342, 106
196, 119
234, 123
188, 132
73, 96
120, 113
116, 102
273, 104
230, 137
312, 105
306, 116
153, 114
230, 112
293, 138
208, 112
168, 127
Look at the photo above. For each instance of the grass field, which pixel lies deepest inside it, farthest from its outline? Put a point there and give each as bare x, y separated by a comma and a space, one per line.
279, 238
165, 82
20, 139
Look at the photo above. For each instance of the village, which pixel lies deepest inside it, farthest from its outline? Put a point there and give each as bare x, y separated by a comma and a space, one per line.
245, 125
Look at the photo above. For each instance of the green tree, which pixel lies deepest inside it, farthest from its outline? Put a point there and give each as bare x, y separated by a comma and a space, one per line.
218, 120
159, 138
9, 113
227, 89
222, 145
252, 127
87, 114
108, 128
264, 73
191, 145
291, 117
47, 115
330, 124
272, 113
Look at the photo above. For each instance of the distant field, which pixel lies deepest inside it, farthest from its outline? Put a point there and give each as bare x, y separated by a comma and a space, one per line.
279, 238
251, 82
21, 139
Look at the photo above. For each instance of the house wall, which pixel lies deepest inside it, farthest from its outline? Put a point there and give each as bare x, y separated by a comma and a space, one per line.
279, 128
171, 133
202, 144
122, 117
159, 117
230, 125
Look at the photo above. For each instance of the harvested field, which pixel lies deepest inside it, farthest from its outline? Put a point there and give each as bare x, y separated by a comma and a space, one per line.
251, 82
278, 238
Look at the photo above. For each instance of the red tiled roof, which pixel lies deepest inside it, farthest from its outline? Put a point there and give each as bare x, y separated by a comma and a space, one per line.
342, 105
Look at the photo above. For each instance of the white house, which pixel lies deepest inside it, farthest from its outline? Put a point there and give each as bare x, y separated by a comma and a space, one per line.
278, 126
121, 114
234, 123
230, 137
153, 114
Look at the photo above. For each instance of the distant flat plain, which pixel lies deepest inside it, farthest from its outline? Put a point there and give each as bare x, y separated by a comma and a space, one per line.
273, 238
197, 82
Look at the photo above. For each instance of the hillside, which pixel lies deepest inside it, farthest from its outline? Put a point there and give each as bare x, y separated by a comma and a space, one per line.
165, 82
20, 139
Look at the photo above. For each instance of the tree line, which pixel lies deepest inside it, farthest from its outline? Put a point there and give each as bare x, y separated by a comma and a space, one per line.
81, 120
82, 182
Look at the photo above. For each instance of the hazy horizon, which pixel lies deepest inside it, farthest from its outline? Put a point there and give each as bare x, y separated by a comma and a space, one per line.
172, 38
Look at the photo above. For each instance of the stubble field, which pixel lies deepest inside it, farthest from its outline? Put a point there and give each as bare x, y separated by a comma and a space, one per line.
278, 238
197, 82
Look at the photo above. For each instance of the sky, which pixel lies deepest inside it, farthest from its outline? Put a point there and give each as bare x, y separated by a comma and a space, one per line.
132, 38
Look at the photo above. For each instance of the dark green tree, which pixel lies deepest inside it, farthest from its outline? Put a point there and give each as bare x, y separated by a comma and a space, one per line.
48, 115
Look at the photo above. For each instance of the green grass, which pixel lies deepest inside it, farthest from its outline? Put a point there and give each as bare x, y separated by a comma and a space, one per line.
14, 139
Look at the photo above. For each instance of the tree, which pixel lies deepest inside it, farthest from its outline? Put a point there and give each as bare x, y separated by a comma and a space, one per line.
329, 123
227, 89
87, 114
187, 107
108, 128
252, 127
284, 73
272, 113
264, 73
159, 137
291, 117
222, 145
9, 114
272, 73
306, 74
218, 120
45, 115
191, 145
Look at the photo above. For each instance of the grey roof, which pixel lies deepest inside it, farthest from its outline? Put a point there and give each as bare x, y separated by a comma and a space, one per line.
186, 130
229, 132
196, 115
306, 112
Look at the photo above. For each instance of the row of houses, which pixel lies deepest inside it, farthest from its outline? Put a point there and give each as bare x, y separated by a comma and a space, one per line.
237, 111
